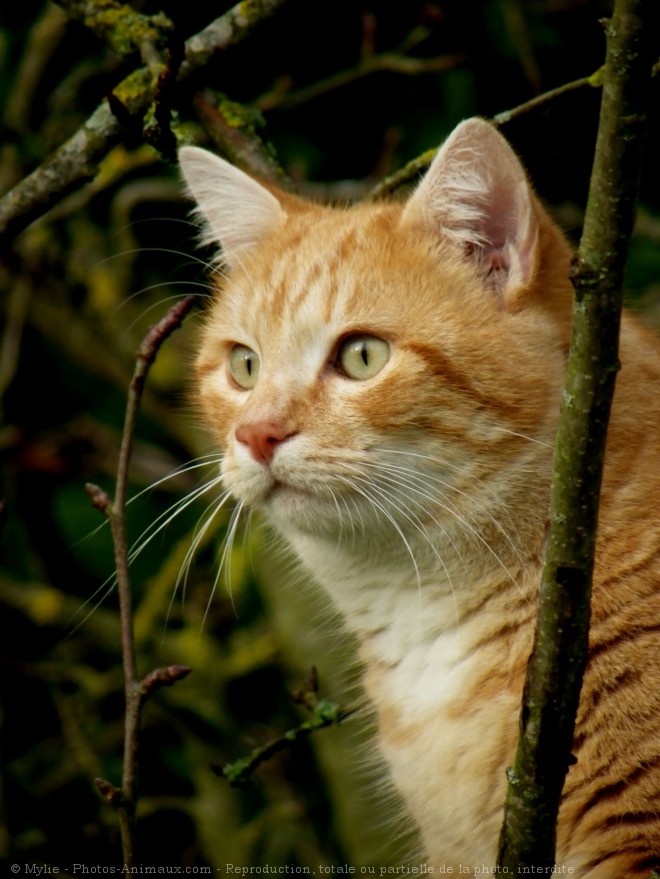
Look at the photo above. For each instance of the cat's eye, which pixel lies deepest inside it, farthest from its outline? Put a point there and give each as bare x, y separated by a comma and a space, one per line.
244, 366
361, 357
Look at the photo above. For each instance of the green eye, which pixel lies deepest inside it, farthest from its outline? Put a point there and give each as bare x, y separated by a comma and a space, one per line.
244, 366
362, 357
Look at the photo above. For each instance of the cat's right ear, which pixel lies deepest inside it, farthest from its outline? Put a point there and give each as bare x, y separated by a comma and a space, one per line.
476, 194
236, 211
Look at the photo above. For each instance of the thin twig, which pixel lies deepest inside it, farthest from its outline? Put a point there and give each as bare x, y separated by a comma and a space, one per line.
323, 713
556, 666
240, 771
595, 81
396, 60
391, 62
125, 798
419, 164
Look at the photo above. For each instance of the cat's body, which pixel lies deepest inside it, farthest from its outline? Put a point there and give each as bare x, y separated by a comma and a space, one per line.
385, 382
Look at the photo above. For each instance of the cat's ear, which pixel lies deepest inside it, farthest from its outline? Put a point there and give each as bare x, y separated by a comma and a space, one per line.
476, 193
236, 211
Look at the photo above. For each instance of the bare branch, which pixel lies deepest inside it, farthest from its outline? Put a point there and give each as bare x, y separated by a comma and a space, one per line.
411, 171
323, 713
595, 81
394, 61
136, 691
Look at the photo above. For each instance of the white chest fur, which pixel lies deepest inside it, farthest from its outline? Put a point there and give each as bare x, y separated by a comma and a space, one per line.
447, 729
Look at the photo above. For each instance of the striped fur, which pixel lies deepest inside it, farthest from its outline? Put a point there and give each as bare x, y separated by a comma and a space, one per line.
418, 496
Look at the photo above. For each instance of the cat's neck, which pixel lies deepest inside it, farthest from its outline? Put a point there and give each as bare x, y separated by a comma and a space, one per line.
418, 593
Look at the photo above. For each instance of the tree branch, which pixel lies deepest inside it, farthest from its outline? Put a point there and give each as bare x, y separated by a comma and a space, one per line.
554, 674
123, 28
410, 171
323, 713
136, 691
396, 60
231, 128
76, 161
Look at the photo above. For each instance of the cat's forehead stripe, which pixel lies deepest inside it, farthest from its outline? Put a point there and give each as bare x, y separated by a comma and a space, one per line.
323, 268
310, 267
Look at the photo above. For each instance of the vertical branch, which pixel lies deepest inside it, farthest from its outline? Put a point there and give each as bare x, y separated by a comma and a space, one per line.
124, 799
556, 667
554, 675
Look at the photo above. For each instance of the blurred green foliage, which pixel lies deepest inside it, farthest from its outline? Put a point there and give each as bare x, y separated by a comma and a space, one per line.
79, 289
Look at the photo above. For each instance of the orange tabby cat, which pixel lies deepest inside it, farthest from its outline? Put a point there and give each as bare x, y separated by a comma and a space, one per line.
384, 381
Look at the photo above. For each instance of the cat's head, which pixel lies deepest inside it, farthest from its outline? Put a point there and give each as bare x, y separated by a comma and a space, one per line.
382, 363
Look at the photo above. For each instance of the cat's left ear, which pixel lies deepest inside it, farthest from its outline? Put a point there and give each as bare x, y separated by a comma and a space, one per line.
476, 194
236, 211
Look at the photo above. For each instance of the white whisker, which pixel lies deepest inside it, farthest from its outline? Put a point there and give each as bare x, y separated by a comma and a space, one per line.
156, 527
379, 507
418, 525
199, 534
446, 505
168, 516
224, 566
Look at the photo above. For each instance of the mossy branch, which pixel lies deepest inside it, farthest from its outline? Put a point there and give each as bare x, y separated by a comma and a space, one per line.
77, 160
556, 667
123, 28
232, 129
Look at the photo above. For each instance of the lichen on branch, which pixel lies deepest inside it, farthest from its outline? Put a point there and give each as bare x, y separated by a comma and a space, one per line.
77, 160
120, 26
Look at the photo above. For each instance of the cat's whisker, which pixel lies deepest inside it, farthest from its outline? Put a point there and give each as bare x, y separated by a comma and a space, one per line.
207, 518
379, 507
169, 515
352, 518
105, 523
133, 251
524, 436
204, 288
150, 533
161, 303
469, 527
224, 566
213, 459
419, 527
395, 499
201, 530
472, 500
436, 499
105, 589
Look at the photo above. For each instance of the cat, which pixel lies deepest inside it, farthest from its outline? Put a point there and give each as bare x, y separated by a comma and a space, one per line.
383, 381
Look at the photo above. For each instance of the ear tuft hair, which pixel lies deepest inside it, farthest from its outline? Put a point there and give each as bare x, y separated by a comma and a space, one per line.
235, 211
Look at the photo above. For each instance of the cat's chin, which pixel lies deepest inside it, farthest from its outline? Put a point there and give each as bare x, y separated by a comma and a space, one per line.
289, 507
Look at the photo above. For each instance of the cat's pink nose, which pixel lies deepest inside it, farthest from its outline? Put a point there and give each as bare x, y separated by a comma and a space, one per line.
262, 438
